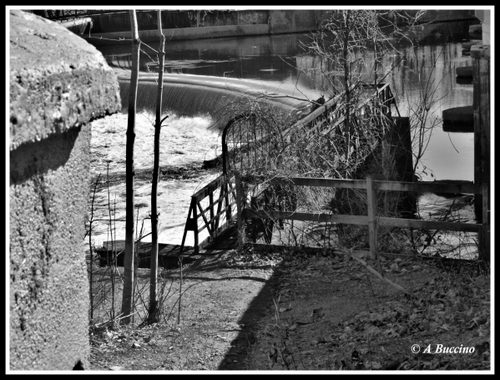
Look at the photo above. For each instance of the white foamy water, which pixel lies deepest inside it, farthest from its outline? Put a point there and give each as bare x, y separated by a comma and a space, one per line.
184, 143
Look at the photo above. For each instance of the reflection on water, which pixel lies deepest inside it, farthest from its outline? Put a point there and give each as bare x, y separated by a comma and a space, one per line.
259, 57
431, 69
280, 60
423, 72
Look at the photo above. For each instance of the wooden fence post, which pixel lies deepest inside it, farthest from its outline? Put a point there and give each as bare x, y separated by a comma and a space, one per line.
220, 202
481, 105
195, 226
191, 225
240, 204
371, 192
226, 187
212, 219
484, 234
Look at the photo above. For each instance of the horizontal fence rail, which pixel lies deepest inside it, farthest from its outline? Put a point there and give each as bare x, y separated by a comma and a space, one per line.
361, 220
372, 220
448, 187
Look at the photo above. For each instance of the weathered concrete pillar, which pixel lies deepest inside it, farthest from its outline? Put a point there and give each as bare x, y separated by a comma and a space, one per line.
485, 18
58, 84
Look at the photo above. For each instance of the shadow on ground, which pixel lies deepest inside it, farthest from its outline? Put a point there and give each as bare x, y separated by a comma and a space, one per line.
258, 310
327, 312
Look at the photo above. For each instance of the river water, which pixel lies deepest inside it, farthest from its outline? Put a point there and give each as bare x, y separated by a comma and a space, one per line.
267, 62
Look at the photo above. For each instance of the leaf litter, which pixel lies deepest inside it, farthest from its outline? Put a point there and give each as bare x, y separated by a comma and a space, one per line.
321, 312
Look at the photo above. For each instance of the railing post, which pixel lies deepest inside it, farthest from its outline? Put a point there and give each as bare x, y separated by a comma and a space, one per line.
195, 228
240, 204
226, 187
371, 192
481, 104
191, 225
212, 221
220, 202
484, 233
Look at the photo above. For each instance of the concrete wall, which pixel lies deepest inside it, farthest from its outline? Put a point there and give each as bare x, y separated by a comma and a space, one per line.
445, 15
58, 84
234, 24
292, 21
485, 18
443, 23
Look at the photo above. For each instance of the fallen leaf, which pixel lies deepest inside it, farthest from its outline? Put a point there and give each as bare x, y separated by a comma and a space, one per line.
283, 309
374, 365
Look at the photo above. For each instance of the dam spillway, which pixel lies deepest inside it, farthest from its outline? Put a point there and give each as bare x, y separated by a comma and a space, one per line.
192, 95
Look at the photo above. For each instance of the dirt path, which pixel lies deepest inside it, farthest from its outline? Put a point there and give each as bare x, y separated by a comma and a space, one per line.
216, 294
311, 312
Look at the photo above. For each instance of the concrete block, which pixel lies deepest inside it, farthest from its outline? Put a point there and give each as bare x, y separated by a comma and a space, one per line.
57, 80
58, 84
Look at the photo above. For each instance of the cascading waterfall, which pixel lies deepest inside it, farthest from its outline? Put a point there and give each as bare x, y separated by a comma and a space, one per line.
193, 95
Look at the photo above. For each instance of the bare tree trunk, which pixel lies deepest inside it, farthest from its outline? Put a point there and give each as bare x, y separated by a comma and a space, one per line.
128, 266
347, 78
91, 250
153, 315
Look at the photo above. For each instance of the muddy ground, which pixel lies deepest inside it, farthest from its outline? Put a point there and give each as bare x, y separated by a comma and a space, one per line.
295, 311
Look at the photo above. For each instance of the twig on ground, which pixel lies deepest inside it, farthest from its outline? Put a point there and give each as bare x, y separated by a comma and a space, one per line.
377, 274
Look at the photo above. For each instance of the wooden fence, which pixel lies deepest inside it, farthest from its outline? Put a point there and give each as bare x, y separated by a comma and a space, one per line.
372, 220
211, 208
